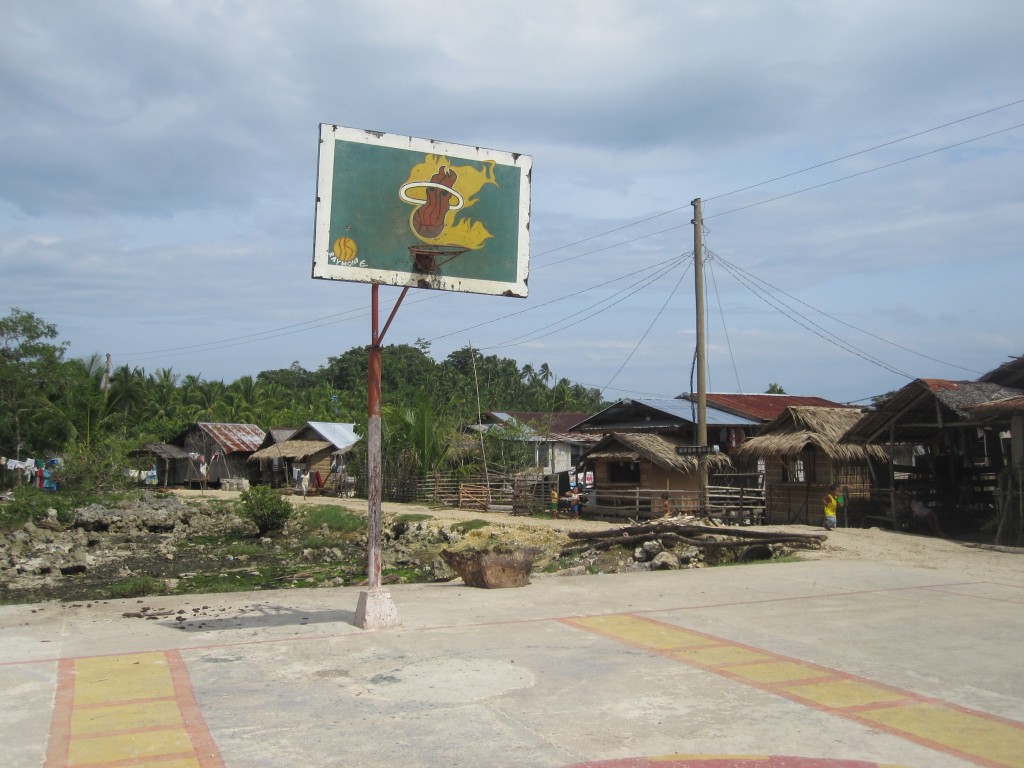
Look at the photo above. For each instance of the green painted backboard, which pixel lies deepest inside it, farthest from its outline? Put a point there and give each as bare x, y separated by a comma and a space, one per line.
398, 210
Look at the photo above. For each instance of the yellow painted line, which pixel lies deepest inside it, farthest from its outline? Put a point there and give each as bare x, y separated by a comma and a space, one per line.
840, 694
121, 678
720, 654
971, 733
133, 710
777, 672
976, 736
649, 634
90, 720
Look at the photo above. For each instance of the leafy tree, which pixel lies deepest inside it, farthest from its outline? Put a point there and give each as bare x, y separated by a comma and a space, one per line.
775, 389
29, 362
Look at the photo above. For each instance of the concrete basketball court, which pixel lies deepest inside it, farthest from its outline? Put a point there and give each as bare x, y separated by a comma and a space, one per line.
775, 665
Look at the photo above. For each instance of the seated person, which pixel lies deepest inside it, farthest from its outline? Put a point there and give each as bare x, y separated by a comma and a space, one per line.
926, 516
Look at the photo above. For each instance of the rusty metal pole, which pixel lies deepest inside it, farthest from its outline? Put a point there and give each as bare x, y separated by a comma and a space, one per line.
373, 457
376, 610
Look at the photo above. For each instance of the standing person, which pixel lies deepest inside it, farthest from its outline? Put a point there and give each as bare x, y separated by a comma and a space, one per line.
574, 501
305, 482
554, 501
831, 506
666, 505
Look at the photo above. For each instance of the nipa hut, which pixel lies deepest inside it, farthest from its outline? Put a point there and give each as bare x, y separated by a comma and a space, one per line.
633, 469
802, 457
319, 447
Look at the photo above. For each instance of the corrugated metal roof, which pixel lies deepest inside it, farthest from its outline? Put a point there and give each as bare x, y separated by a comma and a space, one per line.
657, 413
341, 436
234, 438
760, 407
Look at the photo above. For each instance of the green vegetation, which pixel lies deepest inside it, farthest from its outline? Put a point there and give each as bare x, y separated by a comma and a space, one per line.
74, 409
136, 586
469, 525
266, 508
334, 518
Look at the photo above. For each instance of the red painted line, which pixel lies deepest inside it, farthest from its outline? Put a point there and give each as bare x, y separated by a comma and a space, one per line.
202, 740
59, 748
976, 597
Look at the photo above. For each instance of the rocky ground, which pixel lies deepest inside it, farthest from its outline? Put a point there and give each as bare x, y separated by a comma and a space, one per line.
192, 542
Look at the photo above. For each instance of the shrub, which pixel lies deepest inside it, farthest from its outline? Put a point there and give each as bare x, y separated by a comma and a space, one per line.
265, 508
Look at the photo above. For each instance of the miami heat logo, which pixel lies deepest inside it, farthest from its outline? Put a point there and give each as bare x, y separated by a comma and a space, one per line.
440, 194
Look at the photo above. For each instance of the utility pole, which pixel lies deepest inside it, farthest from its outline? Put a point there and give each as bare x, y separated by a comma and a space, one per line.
702, 390
106, 380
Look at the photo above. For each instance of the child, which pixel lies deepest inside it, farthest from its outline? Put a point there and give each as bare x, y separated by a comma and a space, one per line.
831, 506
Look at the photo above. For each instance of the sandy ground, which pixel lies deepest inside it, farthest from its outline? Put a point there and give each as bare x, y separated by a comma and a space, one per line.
978, 561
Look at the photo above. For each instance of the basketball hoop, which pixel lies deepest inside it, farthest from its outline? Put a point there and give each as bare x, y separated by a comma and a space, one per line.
430, 258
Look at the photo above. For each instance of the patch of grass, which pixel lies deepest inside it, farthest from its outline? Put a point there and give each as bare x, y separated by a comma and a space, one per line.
411, 518
469, 525
319, 542
137, 586
239, 548
336, 519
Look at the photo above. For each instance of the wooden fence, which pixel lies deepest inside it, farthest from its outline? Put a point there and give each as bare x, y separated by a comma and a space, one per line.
531, 495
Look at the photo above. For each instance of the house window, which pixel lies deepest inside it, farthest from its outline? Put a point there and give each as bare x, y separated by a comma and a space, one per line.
624, 472
800, 469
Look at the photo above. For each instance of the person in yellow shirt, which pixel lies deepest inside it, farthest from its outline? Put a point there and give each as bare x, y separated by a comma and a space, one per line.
831, 507
554, 501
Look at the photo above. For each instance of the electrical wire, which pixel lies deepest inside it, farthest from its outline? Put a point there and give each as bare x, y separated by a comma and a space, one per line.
725, 328
869, 170
811, 326
865, 151
649, 327
569, 322
364, 312
843, 322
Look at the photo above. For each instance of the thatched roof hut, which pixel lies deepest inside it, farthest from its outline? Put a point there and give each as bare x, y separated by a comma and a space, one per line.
659, 450
801, 427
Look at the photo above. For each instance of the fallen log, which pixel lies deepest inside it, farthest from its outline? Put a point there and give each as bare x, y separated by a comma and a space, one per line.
691, 535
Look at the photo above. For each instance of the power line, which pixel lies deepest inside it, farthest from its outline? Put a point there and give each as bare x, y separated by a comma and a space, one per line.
649, 327
569, 322
870, 170
843, 322
363, 312
806, 323
865, 151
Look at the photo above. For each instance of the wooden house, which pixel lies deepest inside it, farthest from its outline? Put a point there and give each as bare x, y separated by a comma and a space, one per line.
643, 455
218, 453
319, 447
171, 462
802, 457
557, 447
950, 460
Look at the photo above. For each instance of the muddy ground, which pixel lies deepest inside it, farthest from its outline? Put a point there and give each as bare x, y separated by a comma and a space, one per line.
195, 542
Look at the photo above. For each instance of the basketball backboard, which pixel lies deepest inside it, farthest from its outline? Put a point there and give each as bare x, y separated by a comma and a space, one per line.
398, 210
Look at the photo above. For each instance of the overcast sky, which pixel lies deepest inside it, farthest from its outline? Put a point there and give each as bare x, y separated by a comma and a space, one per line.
158, 169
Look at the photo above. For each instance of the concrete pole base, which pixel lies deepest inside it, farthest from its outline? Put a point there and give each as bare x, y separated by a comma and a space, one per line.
376, 610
